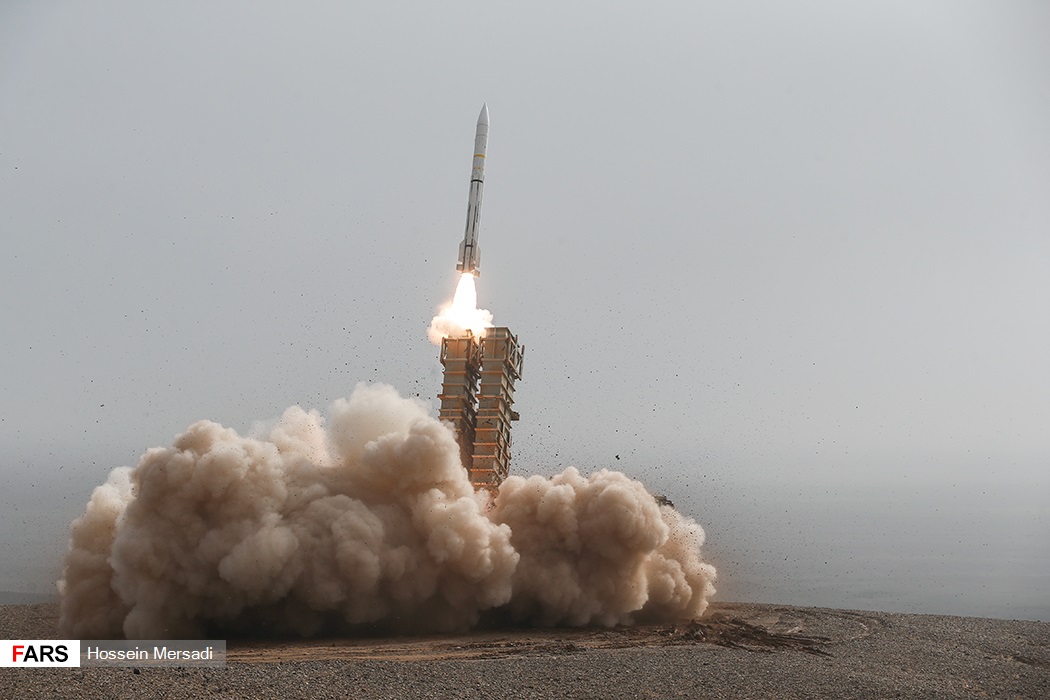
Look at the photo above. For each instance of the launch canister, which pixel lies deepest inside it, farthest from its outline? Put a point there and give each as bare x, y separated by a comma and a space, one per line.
469, 254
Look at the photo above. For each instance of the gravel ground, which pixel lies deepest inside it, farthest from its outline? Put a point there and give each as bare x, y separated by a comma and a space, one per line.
739, 651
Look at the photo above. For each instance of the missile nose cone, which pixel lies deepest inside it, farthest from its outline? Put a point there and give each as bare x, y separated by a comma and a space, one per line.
483, 118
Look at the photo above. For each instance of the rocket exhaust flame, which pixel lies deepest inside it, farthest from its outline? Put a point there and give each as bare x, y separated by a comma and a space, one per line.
462, 315
365, 518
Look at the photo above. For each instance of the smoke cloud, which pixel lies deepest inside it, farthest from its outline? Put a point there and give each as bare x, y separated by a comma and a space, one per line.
365, 518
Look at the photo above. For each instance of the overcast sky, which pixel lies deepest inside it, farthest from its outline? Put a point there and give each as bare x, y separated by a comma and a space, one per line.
800, 246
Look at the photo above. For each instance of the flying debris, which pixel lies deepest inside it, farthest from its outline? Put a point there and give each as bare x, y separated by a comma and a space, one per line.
378, 517
469, 253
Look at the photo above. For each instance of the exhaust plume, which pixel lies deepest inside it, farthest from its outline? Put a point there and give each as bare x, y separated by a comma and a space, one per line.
462, 315
364, 518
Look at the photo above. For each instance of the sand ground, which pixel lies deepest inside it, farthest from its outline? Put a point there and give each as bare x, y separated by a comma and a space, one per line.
736, 651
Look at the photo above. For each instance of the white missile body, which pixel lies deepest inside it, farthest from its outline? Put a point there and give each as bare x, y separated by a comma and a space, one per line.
469, 254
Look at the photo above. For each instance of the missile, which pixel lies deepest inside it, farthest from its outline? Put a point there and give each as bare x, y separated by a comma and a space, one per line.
469, 254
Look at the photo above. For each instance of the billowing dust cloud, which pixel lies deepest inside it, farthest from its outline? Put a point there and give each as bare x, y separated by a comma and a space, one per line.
365, 519
463, 314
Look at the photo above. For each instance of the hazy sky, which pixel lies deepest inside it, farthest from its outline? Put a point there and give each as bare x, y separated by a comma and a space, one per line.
793, 249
